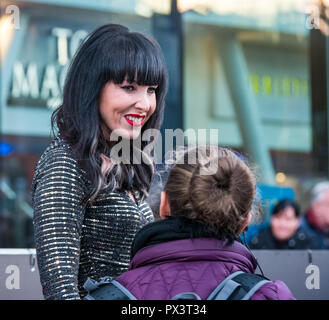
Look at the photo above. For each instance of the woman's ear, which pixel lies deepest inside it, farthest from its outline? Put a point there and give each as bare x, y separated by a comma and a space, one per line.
246, 222
164, 206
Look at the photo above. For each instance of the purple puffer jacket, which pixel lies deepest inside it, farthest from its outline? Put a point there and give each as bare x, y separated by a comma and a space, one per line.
163, 270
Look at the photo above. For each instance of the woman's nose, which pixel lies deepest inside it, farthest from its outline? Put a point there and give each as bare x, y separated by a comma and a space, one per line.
143, 102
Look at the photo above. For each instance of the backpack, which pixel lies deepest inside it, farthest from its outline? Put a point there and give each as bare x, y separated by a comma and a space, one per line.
237, 286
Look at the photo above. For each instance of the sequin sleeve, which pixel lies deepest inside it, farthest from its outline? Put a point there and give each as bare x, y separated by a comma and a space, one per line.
57, 193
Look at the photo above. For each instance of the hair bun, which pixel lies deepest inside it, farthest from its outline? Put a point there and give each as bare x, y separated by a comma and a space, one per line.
220, 199
224, 184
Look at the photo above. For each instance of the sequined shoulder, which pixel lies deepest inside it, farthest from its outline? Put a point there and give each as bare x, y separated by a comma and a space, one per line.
57, 147
58, 151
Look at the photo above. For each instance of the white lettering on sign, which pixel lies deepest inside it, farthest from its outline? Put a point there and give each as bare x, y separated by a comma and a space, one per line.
76, 40
62, 44
50, 87
25, 84
29, 82
66, 46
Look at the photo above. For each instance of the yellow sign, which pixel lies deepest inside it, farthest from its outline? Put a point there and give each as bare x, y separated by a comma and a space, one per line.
284, 86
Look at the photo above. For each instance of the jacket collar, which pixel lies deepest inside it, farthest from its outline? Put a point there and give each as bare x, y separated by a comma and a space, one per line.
176, 240
172, 228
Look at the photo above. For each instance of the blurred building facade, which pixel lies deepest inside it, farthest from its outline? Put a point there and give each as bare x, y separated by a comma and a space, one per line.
242, 67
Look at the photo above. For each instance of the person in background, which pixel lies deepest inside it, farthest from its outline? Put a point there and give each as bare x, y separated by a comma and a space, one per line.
285, 230
154, 196
316, 219
196, 245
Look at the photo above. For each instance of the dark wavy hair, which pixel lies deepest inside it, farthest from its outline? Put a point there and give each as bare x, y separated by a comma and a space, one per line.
285, 203
110, 53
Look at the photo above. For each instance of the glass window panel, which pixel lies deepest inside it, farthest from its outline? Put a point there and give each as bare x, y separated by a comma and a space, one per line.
271, 39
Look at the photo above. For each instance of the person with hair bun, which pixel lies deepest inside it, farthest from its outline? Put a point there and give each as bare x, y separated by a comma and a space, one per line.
205, 205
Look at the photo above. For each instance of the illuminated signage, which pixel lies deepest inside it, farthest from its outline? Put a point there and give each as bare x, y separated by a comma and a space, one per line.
278, 85
37, 85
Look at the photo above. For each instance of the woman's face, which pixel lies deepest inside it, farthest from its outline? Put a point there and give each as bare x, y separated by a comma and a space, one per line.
284, 224
125, 108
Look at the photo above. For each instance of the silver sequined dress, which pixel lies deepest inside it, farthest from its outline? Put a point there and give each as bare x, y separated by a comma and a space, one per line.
75, 242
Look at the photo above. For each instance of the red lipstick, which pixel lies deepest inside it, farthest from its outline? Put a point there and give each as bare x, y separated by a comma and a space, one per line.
134, 119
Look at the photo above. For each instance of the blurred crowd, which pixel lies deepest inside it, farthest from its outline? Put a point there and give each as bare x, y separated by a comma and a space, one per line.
290, 229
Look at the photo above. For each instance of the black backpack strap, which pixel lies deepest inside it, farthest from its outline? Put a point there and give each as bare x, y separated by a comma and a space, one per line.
238, 286
186, 296
249, 284
109, 290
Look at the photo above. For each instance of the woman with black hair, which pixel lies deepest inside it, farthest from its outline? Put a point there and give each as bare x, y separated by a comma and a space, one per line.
285, 230
88, 203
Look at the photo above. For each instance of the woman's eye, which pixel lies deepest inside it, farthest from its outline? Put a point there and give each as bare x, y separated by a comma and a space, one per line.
151, 90
128, 88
